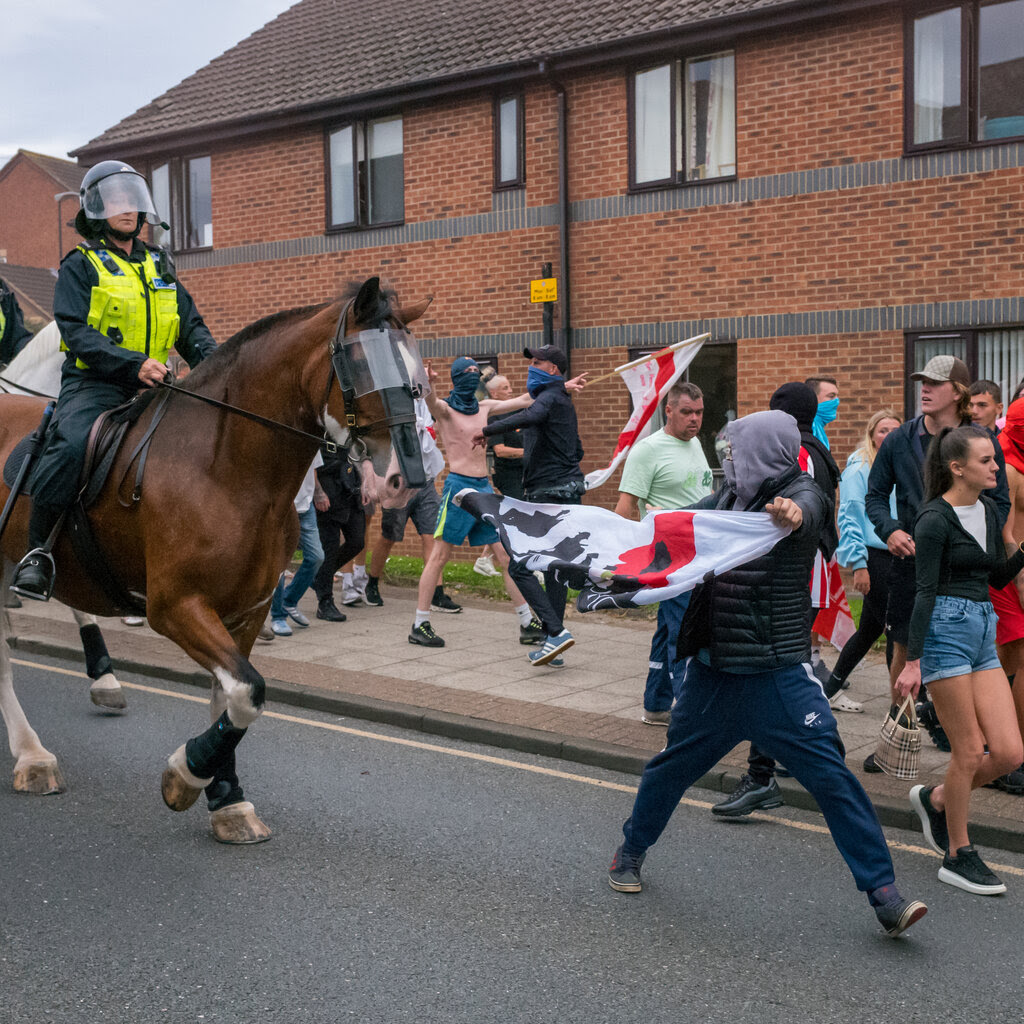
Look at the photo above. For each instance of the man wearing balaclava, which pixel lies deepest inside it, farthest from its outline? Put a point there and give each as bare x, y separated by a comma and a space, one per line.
747, 675
551, 474
757, 789
459, 419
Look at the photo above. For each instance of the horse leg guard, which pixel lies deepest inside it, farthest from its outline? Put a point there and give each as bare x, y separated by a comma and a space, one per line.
233, 819
105, 692
190, 769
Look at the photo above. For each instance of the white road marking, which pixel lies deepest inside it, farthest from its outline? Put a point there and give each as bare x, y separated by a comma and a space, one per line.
502, 762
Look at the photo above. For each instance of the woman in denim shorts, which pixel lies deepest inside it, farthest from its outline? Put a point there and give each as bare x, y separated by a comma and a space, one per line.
960, 551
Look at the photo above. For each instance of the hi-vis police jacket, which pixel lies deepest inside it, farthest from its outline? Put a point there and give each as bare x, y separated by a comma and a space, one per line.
115, 311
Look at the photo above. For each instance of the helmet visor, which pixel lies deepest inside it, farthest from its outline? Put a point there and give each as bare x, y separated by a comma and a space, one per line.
126, 192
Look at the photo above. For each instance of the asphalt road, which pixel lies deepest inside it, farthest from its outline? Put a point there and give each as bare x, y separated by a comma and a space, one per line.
413, 880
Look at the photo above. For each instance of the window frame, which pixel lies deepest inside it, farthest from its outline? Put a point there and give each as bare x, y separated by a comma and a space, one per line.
970, 78
360, 192
519, 180
180, 198
677, 105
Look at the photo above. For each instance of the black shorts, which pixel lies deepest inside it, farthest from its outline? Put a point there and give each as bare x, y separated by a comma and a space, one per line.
900, 606
422, 510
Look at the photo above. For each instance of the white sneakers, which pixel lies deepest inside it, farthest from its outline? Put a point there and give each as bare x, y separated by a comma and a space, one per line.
484, 566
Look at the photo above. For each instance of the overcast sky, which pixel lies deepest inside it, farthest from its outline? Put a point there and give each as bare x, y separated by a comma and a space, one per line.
73, 68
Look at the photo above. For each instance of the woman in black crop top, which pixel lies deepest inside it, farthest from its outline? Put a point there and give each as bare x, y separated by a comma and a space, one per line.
960, 551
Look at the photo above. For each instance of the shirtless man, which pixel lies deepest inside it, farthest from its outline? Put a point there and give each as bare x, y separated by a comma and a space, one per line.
459, 418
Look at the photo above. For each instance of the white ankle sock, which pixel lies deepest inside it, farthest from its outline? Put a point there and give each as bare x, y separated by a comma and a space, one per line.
346, 580
421, 617
524, 613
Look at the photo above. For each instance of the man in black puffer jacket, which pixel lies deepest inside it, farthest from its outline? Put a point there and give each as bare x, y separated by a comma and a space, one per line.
747, 675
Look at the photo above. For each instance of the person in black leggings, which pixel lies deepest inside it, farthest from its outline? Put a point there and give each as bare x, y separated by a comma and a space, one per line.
861, 550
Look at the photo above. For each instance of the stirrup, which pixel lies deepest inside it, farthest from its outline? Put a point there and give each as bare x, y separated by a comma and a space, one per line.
33, 595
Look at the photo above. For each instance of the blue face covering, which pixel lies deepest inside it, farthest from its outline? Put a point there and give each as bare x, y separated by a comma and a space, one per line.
827, 412
536, 378
462, 397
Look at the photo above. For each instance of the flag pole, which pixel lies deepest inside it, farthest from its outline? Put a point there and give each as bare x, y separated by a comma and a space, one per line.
700, 338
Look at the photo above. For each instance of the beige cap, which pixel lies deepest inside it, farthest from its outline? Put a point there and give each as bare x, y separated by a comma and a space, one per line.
942, 368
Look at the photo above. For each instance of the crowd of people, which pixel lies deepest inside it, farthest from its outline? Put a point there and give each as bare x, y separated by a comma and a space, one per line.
927, 516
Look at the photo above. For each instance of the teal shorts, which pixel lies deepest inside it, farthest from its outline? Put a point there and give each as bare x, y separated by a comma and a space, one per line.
455, 525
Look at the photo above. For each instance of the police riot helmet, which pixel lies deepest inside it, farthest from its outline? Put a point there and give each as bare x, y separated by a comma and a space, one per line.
110, 188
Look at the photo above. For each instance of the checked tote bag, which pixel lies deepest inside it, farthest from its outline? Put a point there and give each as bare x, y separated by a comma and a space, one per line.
899, 746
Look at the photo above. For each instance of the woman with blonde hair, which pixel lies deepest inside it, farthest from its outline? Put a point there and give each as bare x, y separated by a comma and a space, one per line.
861, 550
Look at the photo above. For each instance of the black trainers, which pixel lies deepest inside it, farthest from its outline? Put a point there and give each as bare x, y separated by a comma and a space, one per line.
897, 914
749, 796
969, 872
443, 603
424, 635
372, 593
1011, 782
933, 822
872, 768
624, 874
328, 611
930, 723
532, 633
34, 576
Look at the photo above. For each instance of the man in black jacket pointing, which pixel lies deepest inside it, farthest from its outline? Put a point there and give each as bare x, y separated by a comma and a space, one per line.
748, 677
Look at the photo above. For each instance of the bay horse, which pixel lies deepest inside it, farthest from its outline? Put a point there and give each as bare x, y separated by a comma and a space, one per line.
215, 524
36, 370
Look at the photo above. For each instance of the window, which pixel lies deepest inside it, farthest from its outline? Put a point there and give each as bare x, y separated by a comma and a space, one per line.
965, 74
183, 197
366, 174
198, 203
160, 188
713, 370
992, 354
508, 142
682, 121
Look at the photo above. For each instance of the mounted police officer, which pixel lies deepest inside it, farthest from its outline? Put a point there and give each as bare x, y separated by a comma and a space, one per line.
14, 335
119, 310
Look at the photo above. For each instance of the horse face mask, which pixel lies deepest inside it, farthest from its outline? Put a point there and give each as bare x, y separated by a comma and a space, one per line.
387, 361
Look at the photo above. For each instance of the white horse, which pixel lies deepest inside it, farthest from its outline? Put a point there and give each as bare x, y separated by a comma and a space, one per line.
36, 368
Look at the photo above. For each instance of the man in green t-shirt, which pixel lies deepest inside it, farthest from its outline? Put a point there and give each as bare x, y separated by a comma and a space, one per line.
667, 470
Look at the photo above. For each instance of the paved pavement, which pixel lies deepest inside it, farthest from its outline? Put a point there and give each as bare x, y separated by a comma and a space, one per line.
481, 687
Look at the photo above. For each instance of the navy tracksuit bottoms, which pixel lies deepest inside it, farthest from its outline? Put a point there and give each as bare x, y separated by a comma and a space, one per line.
786, 714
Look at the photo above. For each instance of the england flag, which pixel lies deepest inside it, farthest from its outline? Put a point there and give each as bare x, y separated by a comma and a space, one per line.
618, 563
649, 380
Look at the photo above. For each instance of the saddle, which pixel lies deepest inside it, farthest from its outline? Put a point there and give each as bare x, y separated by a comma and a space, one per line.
104, 443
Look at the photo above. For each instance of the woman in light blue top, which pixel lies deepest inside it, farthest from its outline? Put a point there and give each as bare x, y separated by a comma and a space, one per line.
861, 550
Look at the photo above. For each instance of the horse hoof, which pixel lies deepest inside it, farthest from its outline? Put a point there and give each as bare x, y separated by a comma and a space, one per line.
39, 779
107, 695
238, 824
178, 786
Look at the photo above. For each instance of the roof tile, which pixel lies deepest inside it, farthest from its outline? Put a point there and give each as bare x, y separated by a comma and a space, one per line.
323, 51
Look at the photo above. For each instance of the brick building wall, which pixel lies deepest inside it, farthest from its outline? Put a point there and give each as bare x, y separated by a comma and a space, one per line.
28, 217
828, 246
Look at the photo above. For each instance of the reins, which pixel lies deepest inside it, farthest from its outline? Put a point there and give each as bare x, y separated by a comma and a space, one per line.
324, 442
25, 390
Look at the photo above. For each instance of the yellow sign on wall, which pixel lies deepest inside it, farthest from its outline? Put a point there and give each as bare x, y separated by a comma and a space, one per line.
544, 290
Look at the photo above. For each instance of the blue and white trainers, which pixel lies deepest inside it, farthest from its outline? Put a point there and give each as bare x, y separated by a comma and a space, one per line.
296, 616
552, 648
280, 627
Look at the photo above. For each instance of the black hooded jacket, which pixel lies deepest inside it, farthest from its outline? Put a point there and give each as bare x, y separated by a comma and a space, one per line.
801, 403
